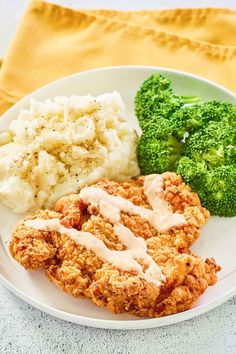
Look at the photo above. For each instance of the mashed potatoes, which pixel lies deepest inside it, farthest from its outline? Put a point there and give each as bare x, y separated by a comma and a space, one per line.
58, 146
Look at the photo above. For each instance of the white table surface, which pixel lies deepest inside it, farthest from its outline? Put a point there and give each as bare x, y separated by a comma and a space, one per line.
24, 329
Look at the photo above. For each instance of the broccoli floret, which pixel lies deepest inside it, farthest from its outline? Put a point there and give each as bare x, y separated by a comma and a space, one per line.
155, 97
158, 150
218, 111
192, 172
215, 187
191, 118
187, 119
198, 141
215, 144
209, 166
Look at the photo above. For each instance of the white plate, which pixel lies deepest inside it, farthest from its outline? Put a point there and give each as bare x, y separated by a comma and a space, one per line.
218, 237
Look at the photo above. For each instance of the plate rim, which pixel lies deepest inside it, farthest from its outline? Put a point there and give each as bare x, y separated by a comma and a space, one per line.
121, 324
119, 67
106, 323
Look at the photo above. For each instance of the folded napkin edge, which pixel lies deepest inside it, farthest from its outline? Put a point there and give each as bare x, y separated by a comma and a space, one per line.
171, 12
55, 10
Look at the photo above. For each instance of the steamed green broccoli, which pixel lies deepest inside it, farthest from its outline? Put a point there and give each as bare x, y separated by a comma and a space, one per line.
215, 144
198, 141
158, 149
191, 118
155, 103
155, 97
215, 187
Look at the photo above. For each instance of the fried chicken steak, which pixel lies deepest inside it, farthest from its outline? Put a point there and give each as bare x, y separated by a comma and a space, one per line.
126, 246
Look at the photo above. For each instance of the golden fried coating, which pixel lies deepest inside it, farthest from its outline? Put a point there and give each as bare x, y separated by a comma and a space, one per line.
80, 272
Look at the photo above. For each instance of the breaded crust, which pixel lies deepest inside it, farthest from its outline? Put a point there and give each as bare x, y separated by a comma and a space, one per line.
81, 273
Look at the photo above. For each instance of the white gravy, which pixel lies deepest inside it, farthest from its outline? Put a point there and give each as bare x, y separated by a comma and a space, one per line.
161, 217
164, 216
126, 260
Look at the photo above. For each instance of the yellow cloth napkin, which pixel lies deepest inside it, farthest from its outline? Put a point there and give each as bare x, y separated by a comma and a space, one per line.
53, 41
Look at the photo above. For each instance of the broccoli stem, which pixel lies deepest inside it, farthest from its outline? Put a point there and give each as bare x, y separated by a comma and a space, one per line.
191, 99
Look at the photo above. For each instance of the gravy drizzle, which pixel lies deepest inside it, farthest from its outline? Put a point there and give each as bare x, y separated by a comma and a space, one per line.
126, 260
161, 218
